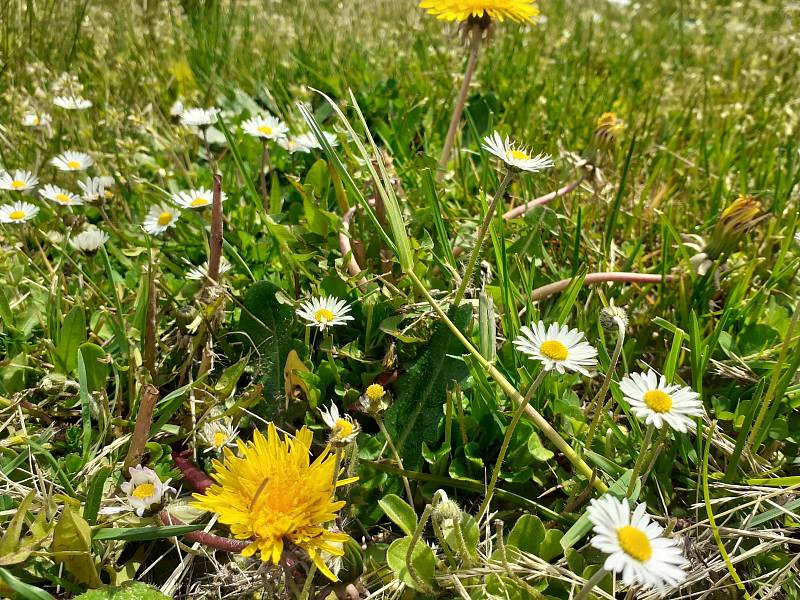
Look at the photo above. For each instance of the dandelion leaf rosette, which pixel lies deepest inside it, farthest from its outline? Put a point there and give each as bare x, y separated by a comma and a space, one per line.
421, 392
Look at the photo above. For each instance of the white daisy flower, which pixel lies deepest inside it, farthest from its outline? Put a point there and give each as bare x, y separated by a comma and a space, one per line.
72, 102
343, 429
514, 155
17, 212
21, 181
266, 127
309, 140
635, 545
89, 240
324, 312
797, 237
195, 198
199, 117
201, 273
656, 402
294, 144
36, 120
216, 434
72, 161
177, 108
557, 347
95, 188
60, 195
160, 218
144, 489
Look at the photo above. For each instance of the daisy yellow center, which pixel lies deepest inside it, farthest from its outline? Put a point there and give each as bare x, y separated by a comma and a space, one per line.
74, 164
265, 130
323, 315
658, 401
35, 120
517, 155
342, 429
164, 218
375, 391
17, 184
63, 198
17, 215
220, 439
635, 543
143, 490
554, 350
199, 201
274, 495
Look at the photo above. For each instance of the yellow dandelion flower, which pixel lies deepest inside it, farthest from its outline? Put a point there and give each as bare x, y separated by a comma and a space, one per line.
609, 127
462, 10
273, 495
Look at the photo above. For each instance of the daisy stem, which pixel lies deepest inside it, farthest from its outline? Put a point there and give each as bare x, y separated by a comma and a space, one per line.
591, 583
648, 436
412, 571
598, 404
262, 175
507, 441
534, 415
458, 110
476, 250
396, 454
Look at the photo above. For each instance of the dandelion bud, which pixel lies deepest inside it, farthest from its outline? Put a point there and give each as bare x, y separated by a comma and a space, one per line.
609, 128
735, 221
612, 318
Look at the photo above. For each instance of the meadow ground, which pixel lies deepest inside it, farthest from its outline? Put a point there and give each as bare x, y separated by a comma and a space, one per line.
555, 362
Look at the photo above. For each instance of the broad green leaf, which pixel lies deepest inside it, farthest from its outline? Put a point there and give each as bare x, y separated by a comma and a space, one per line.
10, 540
132, 591
527, 534
72, 545
73, 334
400, 512
144, 533
422, 560
94, 359
23, 590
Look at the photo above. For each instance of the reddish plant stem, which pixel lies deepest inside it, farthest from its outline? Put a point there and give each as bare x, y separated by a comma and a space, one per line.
346, 248
215, 243
523, 208
141, 430
205, 538
192, 474
603, 277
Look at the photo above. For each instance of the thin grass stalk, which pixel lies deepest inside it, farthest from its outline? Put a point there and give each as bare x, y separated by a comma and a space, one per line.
598, 403
637, 467
591, 583
396, 455
215, 243
476, 250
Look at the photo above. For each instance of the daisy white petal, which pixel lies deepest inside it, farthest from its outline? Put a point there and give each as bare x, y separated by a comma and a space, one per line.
516, 156
36, 120
557, 347
218, 433
294, 144
655, 402
72, 161
144, 490
94, 189
160, 218
17, 212
20, 181
635, 549
265, 127
72, 102
201, 273
324, 312
53, 193
199, 117
343, 429
89, 240
199, 198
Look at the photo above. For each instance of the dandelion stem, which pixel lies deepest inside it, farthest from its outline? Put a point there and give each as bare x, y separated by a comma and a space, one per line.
396, 454
598, 404
215, 242
476, 250
648, 436
534, 415
304, 595
507, 441
458, 110
591, 583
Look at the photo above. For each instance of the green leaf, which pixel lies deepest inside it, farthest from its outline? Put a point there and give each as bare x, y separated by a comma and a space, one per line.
422, 391
140, 534
94, 359
73, 334
72, 544
94, 495
422, 561
22, 589
527, 534
267, 324
551, 545
133, 590
10, 542
400, 512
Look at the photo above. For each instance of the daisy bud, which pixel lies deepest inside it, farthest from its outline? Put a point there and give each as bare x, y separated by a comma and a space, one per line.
613, 317
446, 510
735, 221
